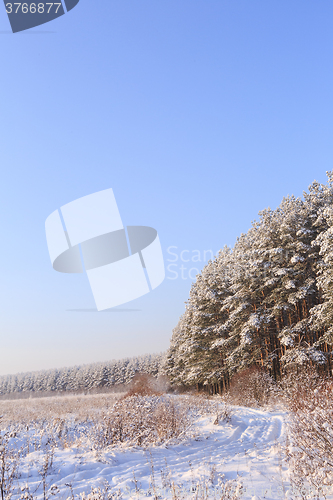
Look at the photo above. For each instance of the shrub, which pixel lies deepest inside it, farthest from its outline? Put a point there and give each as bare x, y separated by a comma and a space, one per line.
143, 420
252, 387
142, 385
310, 451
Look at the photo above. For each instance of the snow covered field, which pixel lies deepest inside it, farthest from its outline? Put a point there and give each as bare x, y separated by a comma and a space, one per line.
62, 456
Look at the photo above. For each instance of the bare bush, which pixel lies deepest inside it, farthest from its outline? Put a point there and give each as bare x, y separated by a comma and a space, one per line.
252, 387
143, 420
310, 451
299, 384
142, 384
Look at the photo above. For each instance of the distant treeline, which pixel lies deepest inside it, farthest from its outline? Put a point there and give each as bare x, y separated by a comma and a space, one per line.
83, 378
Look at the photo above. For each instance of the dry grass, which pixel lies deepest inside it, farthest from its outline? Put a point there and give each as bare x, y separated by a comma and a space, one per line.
81, 407
102, 420
142, 417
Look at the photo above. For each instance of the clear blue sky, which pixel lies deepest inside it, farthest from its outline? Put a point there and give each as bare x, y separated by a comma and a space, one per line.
198, 113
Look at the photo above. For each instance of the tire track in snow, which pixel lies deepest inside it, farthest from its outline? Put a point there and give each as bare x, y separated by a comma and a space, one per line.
242, 446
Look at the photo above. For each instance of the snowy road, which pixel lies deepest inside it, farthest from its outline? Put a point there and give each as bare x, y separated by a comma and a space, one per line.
249, 447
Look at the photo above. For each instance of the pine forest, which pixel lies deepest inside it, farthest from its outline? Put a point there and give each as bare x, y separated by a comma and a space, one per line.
266, 302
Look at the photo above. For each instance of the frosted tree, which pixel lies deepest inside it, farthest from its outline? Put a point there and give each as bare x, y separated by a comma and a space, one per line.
83, 377
322, 313
269, 301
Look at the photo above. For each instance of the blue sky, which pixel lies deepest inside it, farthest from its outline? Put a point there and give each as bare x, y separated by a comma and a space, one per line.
198, 113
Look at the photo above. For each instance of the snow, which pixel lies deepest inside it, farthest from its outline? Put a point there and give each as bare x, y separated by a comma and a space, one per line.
247, 449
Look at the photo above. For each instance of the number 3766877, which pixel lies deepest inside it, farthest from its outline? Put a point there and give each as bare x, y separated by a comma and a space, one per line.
33, 8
